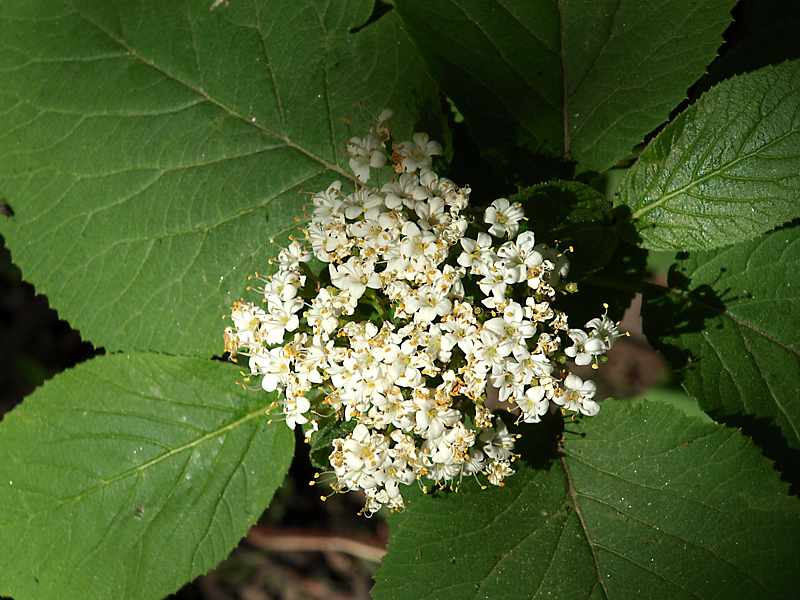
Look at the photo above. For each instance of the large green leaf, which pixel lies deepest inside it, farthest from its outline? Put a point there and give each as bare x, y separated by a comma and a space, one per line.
649, 504
155, 153
130, 475
745, 356
582, 78
727, 169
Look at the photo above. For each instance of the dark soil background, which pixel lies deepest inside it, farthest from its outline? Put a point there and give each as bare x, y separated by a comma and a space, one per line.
304, 548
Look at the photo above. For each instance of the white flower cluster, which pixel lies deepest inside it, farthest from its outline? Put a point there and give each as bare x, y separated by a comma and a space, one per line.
425, 324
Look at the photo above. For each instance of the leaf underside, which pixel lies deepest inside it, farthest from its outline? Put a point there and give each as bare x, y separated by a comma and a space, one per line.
649, 504
156, 153
130, 475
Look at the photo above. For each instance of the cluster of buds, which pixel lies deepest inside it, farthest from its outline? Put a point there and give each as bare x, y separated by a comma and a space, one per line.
426, 322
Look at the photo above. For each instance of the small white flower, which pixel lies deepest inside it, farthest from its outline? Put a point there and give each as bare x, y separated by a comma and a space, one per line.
247, 318
584, 347
326, 201
284, 286
431, 418
604, 329
497, 470
355, 277
416, 154
364, 454
406, 191
519, 257
280, 319
463, 332
365, 153
431, 213
577, 395
438, 343
513, 313
290, 257
475, 251
538, 312
533, 404
494, 281
274, 366
504, 217
361, 202
474, 464
428, 304
294, 409
498, 444
498, 333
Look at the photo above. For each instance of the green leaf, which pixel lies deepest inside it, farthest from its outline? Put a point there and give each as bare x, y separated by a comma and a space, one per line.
677, 399
726, 170
156, 153
130, 475
649, 503
745, 351
556, 205
582, 79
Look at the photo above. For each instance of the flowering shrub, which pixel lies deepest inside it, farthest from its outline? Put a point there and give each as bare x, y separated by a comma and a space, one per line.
414, 324
441, 314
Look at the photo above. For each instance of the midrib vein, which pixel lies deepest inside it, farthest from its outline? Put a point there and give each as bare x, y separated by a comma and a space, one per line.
713, 173
259, 412
573, 497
